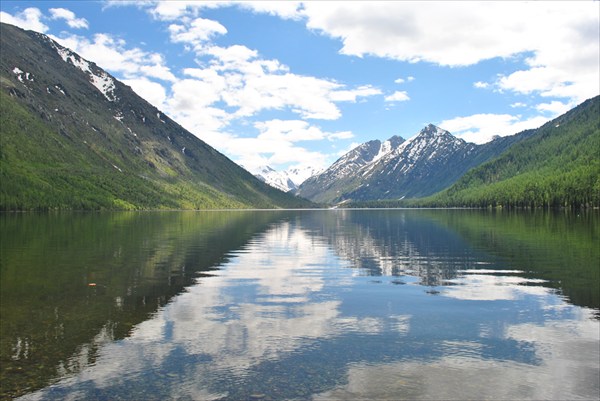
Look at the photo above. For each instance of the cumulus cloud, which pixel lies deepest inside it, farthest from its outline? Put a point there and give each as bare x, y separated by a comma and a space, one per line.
197, 33
295, 131
248, 84
398, 96
276, 145
353, 94
69, 17
562, 38
30, 18
151, 91
283, 9
554, 108
175, 10
481, 128
403, 80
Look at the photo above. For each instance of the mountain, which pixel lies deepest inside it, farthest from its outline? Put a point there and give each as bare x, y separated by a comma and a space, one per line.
287, 180
340, 177
395, 169
74, 137
557, 166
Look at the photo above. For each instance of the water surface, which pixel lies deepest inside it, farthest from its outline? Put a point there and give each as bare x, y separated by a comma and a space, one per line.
322, 305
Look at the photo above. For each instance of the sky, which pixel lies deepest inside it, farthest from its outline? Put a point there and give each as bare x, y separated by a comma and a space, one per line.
298, 84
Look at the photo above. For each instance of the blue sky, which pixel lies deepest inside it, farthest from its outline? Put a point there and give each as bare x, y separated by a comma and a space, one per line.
295, 84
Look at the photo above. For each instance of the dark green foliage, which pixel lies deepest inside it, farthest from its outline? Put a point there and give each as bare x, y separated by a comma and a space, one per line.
558, 167
64, 145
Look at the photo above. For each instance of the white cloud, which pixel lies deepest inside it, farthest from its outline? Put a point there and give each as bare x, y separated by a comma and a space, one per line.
481, 85
282, 9
159, 71
251, 84
30, 19
69, 17
353, 94
562, 38
197, 33
175, 10
518, 104
295, 131
168, 10
554, 108
403, 80
398, 96
481, 128
151, 91
234, 57
276, 146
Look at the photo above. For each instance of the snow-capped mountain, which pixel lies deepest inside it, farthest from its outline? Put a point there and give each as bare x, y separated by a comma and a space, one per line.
287, 180
420, 166
331, 183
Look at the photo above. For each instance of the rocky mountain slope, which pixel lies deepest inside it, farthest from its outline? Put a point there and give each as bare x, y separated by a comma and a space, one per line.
74, 137
334, 181
395, 169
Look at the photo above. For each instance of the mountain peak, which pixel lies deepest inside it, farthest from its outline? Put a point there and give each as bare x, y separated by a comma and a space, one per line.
433, 130
395, 141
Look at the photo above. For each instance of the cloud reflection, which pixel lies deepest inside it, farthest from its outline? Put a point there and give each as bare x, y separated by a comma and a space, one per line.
286, 305
234, 327
488, 287
568, 370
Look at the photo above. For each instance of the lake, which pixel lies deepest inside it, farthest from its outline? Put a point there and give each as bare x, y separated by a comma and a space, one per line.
300, 305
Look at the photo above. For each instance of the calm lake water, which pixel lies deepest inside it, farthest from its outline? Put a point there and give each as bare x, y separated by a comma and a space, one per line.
300, 305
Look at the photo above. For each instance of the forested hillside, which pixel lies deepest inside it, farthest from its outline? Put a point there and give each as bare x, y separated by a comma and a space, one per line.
73, 137
557, 167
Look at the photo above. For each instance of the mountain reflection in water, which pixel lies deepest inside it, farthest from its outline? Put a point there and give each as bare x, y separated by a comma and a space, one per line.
344, 304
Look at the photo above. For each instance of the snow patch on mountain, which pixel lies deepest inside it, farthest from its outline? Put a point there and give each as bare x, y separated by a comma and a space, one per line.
100, 79
22, 74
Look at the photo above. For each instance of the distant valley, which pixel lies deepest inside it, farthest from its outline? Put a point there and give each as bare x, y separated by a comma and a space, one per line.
287, 180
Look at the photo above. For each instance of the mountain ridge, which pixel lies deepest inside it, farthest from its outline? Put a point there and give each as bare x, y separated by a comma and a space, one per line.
425, 163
